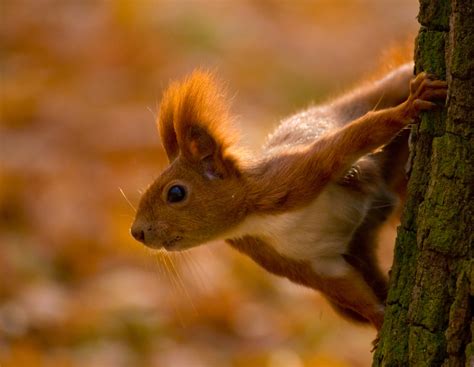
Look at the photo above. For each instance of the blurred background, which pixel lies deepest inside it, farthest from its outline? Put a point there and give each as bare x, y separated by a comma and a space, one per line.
80, 83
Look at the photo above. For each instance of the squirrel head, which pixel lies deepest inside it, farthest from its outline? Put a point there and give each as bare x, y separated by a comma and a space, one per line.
201, 194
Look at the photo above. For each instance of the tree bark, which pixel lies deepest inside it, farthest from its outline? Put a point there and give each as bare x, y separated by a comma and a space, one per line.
428, 319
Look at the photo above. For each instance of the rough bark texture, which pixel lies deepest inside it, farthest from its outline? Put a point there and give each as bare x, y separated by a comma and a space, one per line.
428, 320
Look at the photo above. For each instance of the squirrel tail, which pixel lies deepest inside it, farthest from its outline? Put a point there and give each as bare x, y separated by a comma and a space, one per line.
395, 55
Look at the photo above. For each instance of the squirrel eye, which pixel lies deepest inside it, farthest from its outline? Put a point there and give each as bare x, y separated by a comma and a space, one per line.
176, 194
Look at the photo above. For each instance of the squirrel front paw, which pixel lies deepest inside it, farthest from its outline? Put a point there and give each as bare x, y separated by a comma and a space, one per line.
424, 89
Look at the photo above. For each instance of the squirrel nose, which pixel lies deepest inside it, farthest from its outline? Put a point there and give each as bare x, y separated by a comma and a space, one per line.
138, 233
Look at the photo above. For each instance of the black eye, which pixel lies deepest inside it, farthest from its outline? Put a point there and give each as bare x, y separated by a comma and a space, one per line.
176, 194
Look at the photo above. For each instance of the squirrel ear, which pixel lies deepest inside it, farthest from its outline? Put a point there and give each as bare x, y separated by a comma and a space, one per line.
165, 123
201, 122
209, 153
199, 144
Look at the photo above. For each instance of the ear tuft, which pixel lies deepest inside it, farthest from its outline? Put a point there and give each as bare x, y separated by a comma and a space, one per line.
194, 120
165, 122
202, 107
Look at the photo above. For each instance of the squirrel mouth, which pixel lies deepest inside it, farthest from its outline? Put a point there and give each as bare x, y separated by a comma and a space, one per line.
171, 243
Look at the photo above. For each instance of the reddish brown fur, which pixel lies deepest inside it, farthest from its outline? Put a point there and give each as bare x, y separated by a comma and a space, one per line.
338, 290
223, 188
194, 120
287, 181
197, 135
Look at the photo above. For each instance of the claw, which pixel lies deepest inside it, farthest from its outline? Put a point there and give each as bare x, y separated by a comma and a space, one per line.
375, 343
424, 89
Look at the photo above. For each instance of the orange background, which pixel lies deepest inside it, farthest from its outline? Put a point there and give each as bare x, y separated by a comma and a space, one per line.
80, 82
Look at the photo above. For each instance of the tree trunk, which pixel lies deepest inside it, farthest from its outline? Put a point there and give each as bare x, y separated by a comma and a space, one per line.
428, 319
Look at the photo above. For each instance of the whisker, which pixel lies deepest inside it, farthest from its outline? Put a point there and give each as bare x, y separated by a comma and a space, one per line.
195, 268
153, 113
169, 273
379, 101
126, 199
193, 271
159, 263
181, 283
162, 258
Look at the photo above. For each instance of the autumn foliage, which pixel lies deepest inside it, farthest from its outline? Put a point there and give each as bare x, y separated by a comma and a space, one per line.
79, 86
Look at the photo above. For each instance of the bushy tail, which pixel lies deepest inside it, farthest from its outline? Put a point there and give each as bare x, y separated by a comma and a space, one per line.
393, 56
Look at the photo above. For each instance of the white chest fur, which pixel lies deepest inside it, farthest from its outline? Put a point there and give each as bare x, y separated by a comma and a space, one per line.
318, 233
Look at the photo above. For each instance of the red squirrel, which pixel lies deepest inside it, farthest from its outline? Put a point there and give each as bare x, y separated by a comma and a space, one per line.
309, 207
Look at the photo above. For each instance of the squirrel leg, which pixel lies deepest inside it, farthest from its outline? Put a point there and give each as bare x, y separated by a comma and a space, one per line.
295, 178
361, 252
336, 152
389, 91
347, 313
350, 291
362, 256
